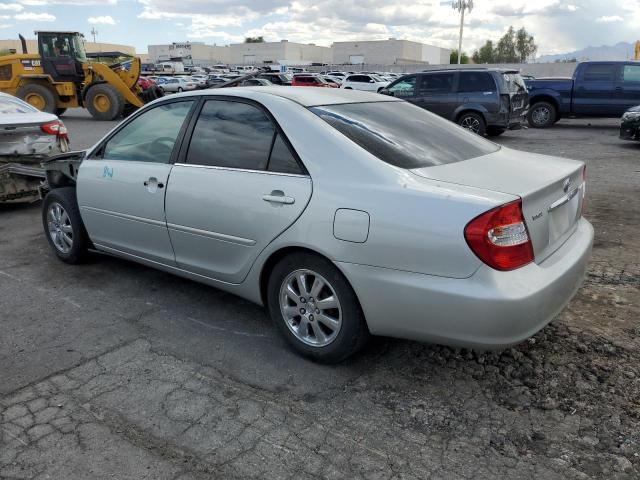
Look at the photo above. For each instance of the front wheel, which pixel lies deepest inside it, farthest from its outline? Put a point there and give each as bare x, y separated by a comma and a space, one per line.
179, 89
473, 122
104, 102
315, 308
63, 225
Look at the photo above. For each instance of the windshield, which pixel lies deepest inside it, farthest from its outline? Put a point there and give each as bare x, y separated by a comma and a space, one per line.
404, 135
13, 105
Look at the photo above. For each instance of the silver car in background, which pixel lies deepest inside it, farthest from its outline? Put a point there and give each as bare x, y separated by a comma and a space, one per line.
177, 85
345, 213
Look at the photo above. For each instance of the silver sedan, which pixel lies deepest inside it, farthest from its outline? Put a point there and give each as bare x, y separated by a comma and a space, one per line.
345, 213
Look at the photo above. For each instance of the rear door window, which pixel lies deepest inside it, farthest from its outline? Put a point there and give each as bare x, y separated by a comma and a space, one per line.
239, 135
231, 134
435, 83
281, 159
596, 72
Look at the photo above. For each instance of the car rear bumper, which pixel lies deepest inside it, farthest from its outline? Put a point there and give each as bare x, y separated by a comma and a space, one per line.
508, 121
488, 310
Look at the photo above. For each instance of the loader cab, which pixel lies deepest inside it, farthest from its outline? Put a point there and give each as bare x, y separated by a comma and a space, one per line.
62, 55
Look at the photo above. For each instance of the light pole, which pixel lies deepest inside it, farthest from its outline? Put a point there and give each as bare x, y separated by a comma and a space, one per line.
94, 32
461, 6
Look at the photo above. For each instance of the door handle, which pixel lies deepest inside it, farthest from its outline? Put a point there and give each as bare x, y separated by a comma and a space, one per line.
278, 196
153, 183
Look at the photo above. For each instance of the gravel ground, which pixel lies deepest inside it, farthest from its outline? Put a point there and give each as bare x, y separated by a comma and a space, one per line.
113, 370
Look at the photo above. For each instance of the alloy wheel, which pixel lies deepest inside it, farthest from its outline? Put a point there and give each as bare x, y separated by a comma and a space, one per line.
541, 115
471, 123
310, 308
60, 229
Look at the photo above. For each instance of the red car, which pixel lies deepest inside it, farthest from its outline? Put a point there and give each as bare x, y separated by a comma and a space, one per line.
310, 80
145, 83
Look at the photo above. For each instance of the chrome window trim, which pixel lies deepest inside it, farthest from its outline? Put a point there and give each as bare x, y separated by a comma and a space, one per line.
245, 170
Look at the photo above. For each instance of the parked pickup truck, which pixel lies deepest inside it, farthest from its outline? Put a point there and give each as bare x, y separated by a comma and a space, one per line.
597, 89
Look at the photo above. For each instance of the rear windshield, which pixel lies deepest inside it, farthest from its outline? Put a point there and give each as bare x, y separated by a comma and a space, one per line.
404, 135
10, 105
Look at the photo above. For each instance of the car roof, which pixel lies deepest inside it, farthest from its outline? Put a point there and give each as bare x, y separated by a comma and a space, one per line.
307, 97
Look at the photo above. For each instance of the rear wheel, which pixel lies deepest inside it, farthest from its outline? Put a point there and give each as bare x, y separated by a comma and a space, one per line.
38, 96
104, 102
495, 132
315, 308
542, 115
179, 89
474, 122
63, 225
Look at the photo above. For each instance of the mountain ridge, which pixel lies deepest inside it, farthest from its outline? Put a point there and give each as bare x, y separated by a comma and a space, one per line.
619, 51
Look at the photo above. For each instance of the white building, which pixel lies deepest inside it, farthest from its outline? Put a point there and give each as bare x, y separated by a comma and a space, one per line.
388, 52
189, 53
282, 52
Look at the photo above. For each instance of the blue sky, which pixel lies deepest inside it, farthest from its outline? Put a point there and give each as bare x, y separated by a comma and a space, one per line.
558, 25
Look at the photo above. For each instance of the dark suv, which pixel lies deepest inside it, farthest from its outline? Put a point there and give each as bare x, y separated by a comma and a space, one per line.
486, 101
277, 78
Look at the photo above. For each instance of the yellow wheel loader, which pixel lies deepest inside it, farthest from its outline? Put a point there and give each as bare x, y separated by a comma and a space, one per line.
61, 77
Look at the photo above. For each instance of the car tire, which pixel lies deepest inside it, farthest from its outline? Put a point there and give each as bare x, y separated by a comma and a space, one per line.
60, 111
473, 122
63, 225
542, 115
348, 88
495, 132
180, 90
341, 332
104, 102
38, 96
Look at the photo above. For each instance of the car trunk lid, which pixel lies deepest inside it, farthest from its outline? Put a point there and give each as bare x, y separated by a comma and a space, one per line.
551, 189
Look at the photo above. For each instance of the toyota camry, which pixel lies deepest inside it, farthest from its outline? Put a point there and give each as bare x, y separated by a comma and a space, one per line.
345, 213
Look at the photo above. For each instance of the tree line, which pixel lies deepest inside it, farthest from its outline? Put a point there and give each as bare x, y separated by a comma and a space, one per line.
515, 46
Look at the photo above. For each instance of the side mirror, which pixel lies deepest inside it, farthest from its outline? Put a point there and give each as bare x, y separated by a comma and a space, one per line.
386, 91
372, 81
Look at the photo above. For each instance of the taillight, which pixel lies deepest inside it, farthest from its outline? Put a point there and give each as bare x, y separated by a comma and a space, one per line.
500, 238
56, 128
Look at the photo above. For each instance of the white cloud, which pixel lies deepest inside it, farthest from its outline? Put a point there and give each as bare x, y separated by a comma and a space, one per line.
557, 25
39, 3
5, 25
104, 20
609, 19
35, 17
14, 7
